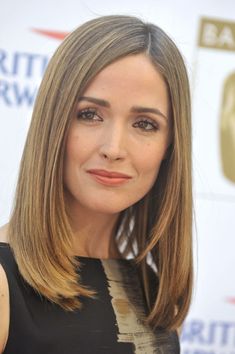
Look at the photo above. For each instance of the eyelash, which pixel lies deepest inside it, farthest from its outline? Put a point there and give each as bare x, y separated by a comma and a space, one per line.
85, 115
154, 125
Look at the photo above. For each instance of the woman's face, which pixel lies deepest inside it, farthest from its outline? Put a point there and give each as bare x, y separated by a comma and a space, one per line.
118, 137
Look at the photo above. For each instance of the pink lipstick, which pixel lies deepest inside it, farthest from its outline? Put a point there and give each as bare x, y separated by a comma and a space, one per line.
109, 178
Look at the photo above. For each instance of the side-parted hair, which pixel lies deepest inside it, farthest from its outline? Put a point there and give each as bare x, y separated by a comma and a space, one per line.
158, 227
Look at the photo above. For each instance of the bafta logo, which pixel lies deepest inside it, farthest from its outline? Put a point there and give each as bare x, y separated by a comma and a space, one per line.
227, 128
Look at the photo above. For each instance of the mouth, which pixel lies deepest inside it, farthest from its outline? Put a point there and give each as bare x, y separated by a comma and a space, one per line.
109, 177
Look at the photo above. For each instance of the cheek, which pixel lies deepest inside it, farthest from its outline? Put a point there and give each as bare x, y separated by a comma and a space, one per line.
148, 172
149, 161
77, 149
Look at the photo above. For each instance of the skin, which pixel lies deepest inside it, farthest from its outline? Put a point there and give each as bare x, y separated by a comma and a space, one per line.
4, 298
109, 132
114, 136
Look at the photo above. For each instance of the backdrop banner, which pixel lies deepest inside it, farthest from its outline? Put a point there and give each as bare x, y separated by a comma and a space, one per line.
210, 327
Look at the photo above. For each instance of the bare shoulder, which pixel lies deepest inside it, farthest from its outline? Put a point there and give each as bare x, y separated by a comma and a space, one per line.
4, 296
4, 309
4, 233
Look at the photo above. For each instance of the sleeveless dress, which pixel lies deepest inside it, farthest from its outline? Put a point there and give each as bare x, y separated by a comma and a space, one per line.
110, 323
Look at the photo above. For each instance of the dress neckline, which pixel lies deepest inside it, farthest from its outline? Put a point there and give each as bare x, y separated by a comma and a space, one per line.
84, 258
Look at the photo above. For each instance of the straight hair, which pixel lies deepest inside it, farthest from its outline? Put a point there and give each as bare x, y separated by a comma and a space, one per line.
158, 227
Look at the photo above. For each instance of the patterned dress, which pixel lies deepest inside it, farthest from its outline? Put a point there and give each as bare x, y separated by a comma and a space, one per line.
111, 323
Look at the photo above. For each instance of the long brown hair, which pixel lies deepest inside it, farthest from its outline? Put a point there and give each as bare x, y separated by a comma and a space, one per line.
158, 227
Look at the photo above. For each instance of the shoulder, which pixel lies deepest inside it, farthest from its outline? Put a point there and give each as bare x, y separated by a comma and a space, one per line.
4, 309
4, 233
4, 288
7, 259
6, 255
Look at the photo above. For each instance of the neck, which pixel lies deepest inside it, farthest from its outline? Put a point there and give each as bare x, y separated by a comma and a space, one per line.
93, 233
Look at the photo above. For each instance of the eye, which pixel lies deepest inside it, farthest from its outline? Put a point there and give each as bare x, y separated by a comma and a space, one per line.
146, 125
89, 115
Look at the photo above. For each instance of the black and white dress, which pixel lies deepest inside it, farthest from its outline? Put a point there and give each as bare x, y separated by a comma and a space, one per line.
111, 323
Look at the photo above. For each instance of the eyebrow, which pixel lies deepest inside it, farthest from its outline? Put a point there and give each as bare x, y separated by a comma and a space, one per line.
134, 109
98, 101
139, 109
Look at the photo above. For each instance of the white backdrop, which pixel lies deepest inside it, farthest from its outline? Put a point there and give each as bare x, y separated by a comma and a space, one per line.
210, 326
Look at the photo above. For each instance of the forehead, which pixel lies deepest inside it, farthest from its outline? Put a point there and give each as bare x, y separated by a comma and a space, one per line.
131, 67
133, 77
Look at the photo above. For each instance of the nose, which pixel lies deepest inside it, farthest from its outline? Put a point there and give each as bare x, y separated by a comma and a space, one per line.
113, 143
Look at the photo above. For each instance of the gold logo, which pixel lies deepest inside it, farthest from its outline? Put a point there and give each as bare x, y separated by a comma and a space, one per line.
227, 128
217, 34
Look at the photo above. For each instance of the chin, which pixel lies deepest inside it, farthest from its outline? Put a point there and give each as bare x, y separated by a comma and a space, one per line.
108, 209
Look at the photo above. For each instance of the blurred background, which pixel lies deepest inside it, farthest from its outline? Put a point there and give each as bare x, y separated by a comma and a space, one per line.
204, 30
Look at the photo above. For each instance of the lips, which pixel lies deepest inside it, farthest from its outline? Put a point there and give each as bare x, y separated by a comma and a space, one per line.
109, 174
109, 177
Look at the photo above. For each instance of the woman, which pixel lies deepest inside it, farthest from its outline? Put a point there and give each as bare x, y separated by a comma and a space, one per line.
104, 190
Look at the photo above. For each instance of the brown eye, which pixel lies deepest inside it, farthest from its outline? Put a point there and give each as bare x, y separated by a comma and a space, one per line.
88, 114
146, 125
